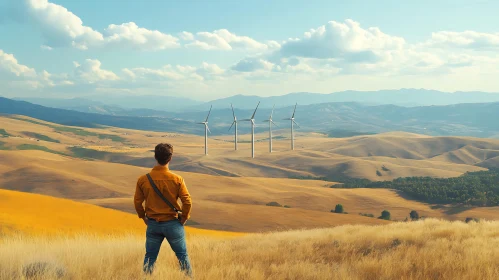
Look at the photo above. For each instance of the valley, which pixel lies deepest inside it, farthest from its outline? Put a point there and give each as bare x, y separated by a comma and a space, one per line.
100, 166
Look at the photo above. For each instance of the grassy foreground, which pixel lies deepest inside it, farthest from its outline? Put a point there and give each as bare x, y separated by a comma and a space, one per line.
430, 249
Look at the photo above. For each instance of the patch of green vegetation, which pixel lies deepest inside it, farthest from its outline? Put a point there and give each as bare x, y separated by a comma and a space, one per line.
41, 137
82, 132
479, 188
33, 121
85, 153
37, 148
4, 133
344, 133
274, 204
367, 215
74, 130
114, 138
385, 215
308, 178
3, 147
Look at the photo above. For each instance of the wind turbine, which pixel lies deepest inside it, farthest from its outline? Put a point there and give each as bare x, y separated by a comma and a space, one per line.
206, 130
270, 121
292, 119
252, 120
235, 127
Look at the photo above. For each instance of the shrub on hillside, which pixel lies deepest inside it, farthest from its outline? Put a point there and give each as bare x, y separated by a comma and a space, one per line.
378, 173
287, 206
414, 215
273, 203
385, 215
367, 215
338, 208
471, 219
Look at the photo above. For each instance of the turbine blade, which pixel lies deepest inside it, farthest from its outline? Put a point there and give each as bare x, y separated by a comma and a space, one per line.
255, 110
208, 129
233, 114
296, 124
288, 119
246, 120
294, 111
274, 123
271, 114
209, 113
231, 126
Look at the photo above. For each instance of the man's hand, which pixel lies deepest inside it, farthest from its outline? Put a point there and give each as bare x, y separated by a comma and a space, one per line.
145, 220
183, 220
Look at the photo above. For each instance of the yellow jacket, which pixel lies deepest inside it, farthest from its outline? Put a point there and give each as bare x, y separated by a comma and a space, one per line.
171, 185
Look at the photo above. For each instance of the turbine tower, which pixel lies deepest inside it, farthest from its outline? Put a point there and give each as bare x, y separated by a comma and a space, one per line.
252, 120
206, 130
270, 121
292, 119
234, 123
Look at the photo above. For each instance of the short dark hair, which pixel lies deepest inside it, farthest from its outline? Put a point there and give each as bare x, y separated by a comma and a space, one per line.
163, 153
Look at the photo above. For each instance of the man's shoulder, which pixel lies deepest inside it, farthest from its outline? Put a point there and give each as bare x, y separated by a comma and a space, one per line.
175, 176
142, 178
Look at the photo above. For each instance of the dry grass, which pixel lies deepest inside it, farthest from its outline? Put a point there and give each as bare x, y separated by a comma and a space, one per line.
429, 249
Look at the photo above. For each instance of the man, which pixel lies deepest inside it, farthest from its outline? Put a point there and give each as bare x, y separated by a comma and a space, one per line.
161, 220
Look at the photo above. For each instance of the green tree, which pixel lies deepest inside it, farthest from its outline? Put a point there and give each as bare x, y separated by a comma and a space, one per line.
414, 215
338, 208
385, 215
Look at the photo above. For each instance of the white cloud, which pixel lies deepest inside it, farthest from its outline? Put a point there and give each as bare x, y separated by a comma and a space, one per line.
348, 41
187, 36
467, 39
17, 75
90, 72
61, 28
46, 48
252, 64
165, 73
130, 35
10, 65
179, 72
223, 39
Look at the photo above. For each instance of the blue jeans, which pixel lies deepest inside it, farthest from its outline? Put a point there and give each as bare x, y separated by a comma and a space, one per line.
174, 233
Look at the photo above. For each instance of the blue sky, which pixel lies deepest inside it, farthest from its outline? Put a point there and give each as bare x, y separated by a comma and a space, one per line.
212, 49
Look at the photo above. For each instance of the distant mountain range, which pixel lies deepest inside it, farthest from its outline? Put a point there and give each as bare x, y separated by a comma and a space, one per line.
75, 118
116, 105
469, 119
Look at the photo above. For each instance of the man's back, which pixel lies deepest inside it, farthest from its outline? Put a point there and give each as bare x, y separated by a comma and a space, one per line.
160, 218
171, 185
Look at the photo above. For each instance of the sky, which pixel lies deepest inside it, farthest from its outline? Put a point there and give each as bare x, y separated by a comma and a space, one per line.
213, 49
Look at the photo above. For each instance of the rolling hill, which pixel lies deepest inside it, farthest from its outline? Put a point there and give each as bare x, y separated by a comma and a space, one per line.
34, 214
393, 154
83, 166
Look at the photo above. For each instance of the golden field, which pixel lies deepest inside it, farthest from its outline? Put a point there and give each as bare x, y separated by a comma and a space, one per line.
28, 214
230, 190
429, 249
